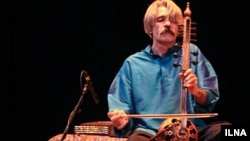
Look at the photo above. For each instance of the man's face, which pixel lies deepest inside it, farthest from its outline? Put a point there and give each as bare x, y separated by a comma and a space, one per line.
163, 29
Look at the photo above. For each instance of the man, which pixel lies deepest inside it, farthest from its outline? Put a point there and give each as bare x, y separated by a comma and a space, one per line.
148, 83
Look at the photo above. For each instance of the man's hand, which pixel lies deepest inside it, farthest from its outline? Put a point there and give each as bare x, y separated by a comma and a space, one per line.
118, 118
190, 81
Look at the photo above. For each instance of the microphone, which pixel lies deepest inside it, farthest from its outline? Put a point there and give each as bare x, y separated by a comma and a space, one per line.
90, 87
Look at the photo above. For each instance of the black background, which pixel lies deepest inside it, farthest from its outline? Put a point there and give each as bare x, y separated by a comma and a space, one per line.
45, 44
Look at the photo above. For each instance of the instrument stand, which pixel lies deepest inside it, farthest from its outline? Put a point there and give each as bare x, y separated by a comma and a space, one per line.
74, 112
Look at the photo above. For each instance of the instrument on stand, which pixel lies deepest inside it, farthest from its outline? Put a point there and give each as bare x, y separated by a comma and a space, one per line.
95, 128
91, 131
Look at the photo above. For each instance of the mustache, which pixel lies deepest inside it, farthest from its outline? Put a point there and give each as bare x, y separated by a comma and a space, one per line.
166, 30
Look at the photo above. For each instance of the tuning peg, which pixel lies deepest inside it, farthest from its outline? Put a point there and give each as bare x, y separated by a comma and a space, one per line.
193, 40
195, 62
176, 64
176, 55
193, 28
193, 34
177, 44
193, 23
195, 53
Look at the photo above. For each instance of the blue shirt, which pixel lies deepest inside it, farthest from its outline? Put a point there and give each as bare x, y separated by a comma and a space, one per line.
149, 84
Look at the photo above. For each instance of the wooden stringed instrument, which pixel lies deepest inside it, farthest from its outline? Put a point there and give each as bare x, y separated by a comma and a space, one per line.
180, 129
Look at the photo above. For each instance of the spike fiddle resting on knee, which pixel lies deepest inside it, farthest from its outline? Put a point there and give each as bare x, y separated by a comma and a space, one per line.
179, 133
172, 130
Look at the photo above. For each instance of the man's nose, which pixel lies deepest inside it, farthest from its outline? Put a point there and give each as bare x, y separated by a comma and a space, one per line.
167, 23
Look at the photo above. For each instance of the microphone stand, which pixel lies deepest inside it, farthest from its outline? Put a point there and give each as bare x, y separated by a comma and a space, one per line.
74, 112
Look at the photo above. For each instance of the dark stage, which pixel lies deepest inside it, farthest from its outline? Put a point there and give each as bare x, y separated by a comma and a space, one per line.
45, 44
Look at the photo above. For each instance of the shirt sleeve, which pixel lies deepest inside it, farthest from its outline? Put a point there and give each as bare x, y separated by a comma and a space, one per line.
208, 81
119, 97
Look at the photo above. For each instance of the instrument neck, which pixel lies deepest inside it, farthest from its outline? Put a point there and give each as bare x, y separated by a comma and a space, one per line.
185, 61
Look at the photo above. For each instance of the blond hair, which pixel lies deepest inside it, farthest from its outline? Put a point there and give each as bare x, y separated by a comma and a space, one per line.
174, 12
